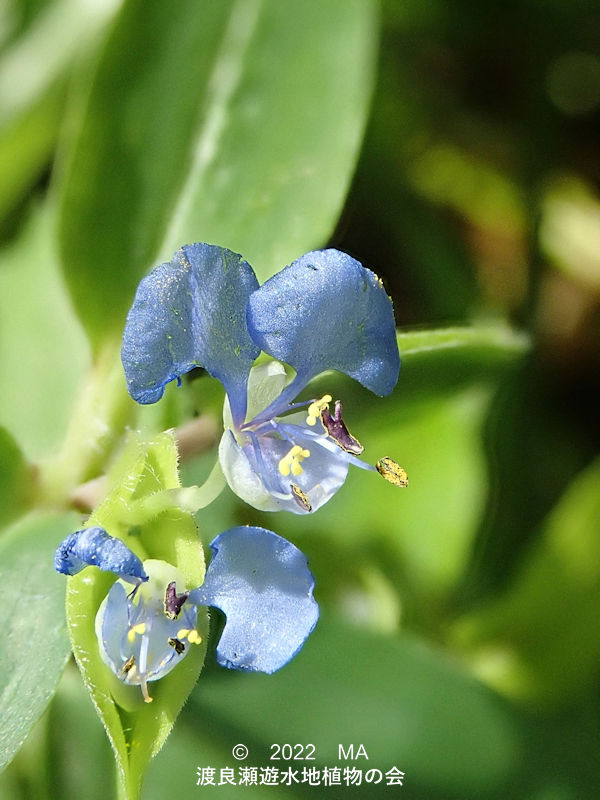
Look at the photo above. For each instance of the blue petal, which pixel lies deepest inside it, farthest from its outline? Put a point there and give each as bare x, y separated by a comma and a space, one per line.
94, 547
263, 585
326, 311
190, 313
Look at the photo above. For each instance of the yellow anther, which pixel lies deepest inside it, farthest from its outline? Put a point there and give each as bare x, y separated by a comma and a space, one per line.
315, 408
300, 497
129, 666
392, 472
140, 628
291, 461
190, 634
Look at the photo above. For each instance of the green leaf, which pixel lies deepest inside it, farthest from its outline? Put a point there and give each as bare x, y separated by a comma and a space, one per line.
26, 146
136, 730
15, 478
539, 640
213, 132
530, 428
34, 646
33, 78
405, 702
43, 350
430, 525
443, 357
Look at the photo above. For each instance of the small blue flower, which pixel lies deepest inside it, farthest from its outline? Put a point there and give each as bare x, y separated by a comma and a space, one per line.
325, 311
258, 579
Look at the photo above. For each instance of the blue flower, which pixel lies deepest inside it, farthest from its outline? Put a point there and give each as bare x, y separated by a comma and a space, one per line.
258, 579
325, 311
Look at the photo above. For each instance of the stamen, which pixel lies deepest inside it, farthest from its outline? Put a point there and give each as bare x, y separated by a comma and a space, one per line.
144, 685
129, 665
173, 601
316, 407
143, 668
291, 461
300, 497
133, 592
177, 645
337, 430
392, 472
190, 634
140, 629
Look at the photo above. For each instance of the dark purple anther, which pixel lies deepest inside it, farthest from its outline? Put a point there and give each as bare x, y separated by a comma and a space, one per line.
337, 430
174, 601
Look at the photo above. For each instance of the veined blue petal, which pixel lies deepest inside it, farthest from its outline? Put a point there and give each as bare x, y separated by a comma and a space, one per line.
191, 312
263, 585
94, 547
326, 311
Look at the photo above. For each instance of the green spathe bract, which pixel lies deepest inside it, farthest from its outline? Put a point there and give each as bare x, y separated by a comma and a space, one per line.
136, 730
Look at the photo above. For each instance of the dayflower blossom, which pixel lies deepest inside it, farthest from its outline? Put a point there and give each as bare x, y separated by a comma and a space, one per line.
323, 312
258, 579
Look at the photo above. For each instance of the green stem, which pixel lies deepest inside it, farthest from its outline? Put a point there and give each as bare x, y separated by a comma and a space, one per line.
101, 413
187, 498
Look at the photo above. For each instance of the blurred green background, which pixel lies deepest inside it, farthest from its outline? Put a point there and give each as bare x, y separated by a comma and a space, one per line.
452, 148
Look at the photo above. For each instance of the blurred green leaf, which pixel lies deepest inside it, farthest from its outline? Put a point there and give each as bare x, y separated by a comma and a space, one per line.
33, 76
406, 703
430, 525
43, 351
570, 229
438, 360
26, 145
539, 417
137, 730
15, 479
477, 190
540, 640
57, 31
34, 646
491, 340
66, 755
236, 123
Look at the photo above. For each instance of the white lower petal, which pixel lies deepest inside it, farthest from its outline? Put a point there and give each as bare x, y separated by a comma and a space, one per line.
241, 477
